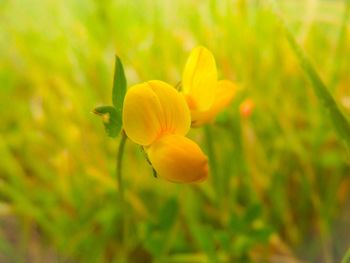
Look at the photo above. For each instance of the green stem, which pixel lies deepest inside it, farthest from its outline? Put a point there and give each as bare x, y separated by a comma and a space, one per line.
120, 154
212, 159
119, 170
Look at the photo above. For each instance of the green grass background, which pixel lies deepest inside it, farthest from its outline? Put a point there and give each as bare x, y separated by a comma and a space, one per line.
279, 187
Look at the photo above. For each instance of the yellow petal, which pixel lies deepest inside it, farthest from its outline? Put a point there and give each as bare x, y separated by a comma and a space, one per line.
178, 159
152, 109
142, 114
177, 118
199, 79
225, 92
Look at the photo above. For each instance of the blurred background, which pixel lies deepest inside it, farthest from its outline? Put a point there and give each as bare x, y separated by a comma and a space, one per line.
279, 189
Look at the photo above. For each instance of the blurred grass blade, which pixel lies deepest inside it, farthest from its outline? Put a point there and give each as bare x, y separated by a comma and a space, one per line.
339, 121
340, 48
168, 213
111, 119
346, 258
119, 85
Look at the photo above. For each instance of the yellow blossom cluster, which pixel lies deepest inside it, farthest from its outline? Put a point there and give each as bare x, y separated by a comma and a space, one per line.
158, 117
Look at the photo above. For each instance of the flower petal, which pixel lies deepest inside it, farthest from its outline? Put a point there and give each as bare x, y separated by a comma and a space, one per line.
199, 79
178, 159
152, 109
177, 118
142, 114
225, 92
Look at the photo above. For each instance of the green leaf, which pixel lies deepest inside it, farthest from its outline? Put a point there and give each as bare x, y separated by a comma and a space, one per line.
119, 85
111, 118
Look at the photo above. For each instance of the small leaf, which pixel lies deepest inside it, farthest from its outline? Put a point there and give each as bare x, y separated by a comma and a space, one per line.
111, 119
119, 85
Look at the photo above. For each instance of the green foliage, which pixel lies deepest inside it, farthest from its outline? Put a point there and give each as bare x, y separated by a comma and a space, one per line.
111, 119
279, 185
119, 85
159, 232
112, 116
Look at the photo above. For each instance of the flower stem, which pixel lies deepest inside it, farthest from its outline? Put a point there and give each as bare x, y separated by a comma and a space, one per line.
119, 162
120, 154
212, 158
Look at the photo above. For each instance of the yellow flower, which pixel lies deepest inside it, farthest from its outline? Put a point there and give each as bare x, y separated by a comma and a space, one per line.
205, 95
156, 116
178, 159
